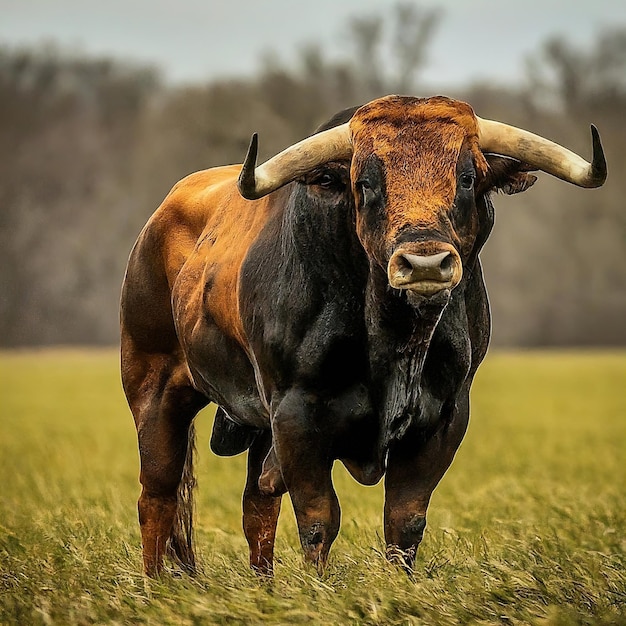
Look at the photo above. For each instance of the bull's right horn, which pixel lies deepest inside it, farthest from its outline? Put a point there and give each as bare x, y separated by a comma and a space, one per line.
543, 154
329, 145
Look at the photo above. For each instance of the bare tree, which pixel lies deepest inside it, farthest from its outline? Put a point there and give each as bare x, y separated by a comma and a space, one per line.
558, 260
390, 50
89, 147
366, 33
414, 29
67, 138
578, 81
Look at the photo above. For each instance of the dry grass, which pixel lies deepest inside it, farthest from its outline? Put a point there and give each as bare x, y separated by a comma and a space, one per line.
527, 526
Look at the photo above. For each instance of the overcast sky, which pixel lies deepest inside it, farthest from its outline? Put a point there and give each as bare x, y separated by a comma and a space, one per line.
194, 40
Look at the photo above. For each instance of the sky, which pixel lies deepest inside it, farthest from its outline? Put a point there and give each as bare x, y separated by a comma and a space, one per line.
198, 40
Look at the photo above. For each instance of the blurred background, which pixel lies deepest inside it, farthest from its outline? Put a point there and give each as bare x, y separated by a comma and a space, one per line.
104, 106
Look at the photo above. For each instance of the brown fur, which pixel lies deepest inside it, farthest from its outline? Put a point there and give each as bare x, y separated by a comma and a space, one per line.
419, 140
181, 298
202, 222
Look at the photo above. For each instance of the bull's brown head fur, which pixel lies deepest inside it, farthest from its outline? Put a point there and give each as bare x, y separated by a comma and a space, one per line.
419, 171
409, 156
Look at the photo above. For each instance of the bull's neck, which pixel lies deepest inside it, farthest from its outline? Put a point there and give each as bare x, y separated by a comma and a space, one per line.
399, 336
322, 237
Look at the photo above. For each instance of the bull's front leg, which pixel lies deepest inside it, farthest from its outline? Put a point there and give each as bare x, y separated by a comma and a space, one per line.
414, 468
303, 449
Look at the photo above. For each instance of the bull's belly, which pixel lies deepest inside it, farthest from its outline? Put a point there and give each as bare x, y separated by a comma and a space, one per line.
221, 370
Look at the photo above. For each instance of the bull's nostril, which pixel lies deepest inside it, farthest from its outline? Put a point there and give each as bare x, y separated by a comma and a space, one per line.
403, 266
407, 268
430, 267
447, 267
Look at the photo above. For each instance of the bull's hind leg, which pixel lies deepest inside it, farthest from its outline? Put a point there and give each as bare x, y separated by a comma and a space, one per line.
163, 405
260, 510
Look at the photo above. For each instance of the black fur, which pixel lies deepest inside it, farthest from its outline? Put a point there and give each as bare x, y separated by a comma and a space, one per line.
320, 317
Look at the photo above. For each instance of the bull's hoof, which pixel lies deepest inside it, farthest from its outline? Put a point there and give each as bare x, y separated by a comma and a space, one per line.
403, 547
404, 558
264, 569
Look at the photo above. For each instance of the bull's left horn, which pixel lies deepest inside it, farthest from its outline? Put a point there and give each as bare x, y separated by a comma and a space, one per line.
329, 145
543, 154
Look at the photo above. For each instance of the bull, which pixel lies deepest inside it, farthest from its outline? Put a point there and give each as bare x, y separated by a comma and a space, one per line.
336, 311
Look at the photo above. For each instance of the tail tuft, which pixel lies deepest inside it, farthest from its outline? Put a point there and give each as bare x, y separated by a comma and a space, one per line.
180, 546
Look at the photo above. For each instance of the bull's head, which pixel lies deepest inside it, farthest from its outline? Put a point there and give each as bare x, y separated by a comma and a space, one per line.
418, 169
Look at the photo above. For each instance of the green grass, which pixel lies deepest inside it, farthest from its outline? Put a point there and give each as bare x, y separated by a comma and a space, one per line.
526, 527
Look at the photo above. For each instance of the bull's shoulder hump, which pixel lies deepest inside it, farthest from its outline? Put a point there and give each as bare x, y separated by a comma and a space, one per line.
192, 201
179, 222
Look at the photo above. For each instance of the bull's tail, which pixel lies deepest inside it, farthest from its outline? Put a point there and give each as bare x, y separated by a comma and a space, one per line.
180, 547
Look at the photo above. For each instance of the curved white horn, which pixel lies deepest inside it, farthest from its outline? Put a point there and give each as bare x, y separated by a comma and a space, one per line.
256, 182
543, 154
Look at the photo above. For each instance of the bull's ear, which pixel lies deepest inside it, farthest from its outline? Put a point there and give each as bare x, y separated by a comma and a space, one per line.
506, 175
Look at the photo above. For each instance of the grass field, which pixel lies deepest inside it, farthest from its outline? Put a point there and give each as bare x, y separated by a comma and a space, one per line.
527, 526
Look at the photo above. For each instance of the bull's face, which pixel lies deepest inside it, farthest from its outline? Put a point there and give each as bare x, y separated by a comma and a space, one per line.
420, 169
416, 170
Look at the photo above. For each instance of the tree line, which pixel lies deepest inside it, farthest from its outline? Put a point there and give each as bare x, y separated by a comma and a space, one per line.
90, 146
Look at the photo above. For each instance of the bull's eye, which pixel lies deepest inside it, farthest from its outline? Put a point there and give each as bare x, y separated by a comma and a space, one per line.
325, 180
466, 181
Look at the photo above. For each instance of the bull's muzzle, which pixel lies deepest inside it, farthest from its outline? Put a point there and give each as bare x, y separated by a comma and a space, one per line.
425, 272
